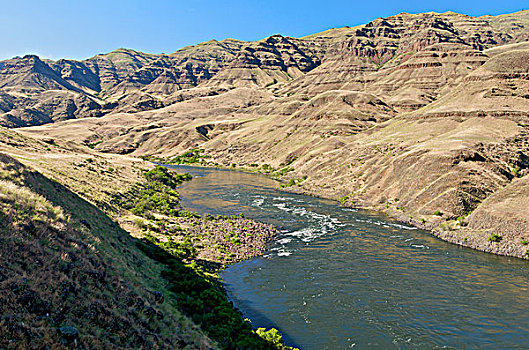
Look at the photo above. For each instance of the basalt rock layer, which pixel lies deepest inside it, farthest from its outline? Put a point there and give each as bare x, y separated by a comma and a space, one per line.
424, 116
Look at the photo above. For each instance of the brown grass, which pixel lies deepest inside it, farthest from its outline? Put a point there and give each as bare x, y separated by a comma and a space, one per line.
66, 263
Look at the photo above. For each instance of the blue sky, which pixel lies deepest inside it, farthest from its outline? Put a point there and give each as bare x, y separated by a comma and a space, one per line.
80, 29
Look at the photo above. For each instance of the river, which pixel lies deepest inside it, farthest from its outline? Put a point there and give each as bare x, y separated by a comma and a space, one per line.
339, 278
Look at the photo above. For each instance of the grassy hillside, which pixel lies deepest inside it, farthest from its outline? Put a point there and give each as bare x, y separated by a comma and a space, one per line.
71, 275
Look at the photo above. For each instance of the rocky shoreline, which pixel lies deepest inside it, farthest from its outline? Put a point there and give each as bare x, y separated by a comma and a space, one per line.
473, 239
228, 240
155, 214
462, 236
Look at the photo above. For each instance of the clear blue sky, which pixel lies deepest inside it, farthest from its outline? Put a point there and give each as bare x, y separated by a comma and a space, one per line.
80, 29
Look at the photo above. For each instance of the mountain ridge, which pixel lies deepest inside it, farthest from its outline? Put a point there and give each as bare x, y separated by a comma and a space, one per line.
105, 78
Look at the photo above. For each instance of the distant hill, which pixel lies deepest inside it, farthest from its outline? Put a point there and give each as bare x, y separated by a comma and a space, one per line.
36, 91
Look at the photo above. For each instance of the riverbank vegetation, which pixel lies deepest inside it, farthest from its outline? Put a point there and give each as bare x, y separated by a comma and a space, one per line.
194, 156
198, 157
192, 248
156, 194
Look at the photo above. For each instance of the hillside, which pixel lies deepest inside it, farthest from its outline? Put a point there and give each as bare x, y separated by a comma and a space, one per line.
98, 253
423, 116
70, 276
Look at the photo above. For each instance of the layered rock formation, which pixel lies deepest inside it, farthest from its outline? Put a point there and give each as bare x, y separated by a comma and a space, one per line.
424, 116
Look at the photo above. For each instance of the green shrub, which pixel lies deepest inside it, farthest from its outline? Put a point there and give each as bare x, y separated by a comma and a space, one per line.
461, 220
283, 171
92, 145
494, 237
203, 299
140, 223
187, 214
272, 336
157, 194
438, 213
165, 176
516, 171
181, 250
293, 182
192, 156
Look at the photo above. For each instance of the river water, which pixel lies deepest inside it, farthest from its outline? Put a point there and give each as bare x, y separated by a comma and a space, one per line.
338, 278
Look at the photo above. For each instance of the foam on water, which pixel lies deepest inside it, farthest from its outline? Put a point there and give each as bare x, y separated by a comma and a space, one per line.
284, 240
319, 224
258, 201
315, 224
404, 227
307, 234
421, 246
284, 253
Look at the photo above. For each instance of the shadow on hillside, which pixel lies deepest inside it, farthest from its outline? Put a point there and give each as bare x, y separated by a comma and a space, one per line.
204, 300
83, 212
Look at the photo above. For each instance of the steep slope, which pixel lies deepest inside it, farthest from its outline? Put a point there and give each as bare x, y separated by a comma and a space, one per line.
70, 276
33, 93
77, 74
514, 24
425, 75
267, 62
363, 60
499, 87
505, 212
115, 69
29, 75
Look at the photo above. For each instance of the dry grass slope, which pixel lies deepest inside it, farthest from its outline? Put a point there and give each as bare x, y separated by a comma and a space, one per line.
70, 275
